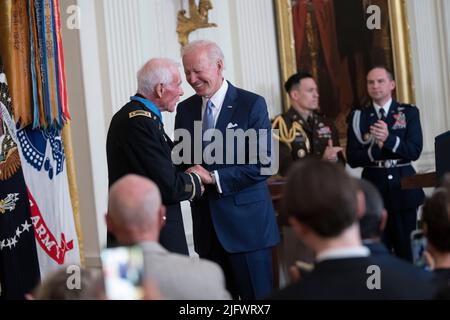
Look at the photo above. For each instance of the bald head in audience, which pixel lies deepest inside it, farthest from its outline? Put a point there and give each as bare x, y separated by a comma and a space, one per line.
135, 211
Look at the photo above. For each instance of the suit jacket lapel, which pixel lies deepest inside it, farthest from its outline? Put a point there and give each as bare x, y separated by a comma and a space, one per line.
228, 108
197, 110
196, 115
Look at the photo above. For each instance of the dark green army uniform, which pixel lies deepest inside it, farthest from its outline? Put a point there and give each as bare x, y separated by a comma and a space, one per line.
138, 144
300, 138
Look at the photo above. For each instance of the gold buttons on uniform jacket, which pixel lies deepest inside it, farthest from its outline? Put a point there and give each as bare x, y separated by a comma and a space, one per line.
301, 153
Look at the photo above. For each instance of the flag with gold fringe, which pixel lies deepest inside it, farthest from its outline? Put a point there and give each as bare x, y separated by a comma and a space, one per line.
32, 52
19, 268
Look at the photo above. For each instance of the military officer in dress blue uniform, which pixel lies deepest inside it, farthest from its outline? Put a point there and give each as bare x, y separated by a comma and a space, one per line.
137, 143
383, 138
303, 130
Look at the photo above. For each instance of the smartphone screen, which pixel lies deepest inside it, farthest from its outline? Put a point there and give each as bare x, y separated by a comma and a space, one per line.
418, 247
123, 272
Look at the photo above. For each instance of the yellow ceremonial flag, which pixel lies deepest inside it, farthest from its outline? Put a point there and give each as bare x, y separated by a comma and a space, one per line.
15, 53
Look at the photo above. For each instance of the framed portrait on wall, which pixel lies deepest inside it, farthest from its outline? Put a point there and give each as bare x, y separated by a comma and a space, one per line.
337, 42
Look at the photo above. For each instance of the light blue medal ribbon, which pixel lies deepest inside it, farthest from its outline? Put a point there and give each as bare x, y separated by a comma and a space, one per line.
149, 105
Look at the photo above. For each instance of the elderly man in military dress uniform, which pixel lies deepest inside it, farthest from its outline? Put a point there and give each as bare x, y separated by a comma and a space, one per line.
303, 131
137, 143
383, 138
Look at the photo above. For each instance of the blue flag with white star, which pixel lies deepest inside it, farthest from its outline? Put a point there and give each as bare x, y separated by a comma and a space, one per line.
19, 267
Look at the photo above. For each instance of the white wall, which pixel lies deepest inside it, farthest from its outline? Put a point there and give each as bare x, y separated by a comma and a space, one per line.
429, 23
116, 37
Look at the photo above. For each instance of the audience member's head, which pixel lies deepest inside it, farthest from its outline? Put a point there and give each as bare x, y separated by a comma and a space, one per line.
322, 201
68, 285
445, 182
436, 222
135, 212
373, 220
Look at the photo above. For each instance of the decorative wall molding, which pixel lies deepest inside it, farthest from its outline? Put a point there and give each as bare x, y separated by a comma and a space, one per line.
256, 50
430, 64
123, 44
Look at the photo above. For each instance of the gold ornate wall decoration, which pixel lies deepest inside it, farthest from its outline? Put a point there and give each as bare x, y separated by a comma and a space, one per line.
198, 19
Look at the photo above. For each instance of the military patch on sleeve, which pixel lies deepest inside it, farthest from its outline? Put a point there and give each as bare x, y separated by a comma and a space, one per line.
138, 113
188, 188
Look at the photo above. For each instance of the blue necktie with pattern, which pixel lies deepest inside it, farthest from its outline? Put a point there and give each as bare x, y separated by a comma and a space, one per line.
208, 120
208, 116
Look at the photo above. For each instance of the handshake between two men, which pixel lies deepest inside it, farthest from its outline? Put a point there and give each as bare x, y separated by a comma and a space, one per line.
206, 177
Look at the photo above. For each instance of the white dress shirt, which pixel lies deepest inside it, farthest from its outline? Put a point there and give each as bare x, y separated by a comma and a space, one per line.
343, 253
385, 107
217, 100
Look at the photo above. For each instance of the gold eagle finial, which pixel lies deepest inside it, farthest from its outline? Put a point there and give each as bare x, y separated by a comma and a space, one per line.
198, 18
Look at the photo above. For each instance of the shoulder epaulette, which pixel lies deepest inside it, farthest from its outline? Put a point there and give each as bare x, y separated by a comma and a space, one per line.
408, 105
138, 113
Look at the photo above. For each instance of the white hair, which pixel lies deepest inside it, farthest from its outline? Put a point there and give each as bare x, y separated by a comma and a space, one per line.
212, 48
154, 72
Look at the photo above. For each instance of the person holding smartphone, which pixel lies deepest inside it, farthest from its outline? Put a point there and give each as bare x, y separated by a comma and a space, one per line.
136, 216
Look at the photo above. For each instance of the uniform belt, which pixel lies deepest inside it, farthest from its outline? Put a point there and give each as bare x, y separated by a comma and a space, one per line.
392, 163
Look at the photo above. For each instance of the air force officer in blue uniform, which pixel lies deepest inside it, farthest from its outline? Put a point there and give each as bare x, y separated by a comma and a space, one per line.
234, 222
384, 138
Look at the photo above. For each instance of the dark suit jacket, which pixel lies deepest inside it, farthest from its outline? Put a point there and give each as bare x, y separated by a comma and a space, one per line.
137, 143
404, 143
242, 216
347, 279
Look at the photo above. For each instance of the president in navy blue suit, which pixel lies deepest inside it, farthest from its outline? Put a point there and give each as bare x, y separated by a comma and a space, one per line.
383, 138
234, 222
